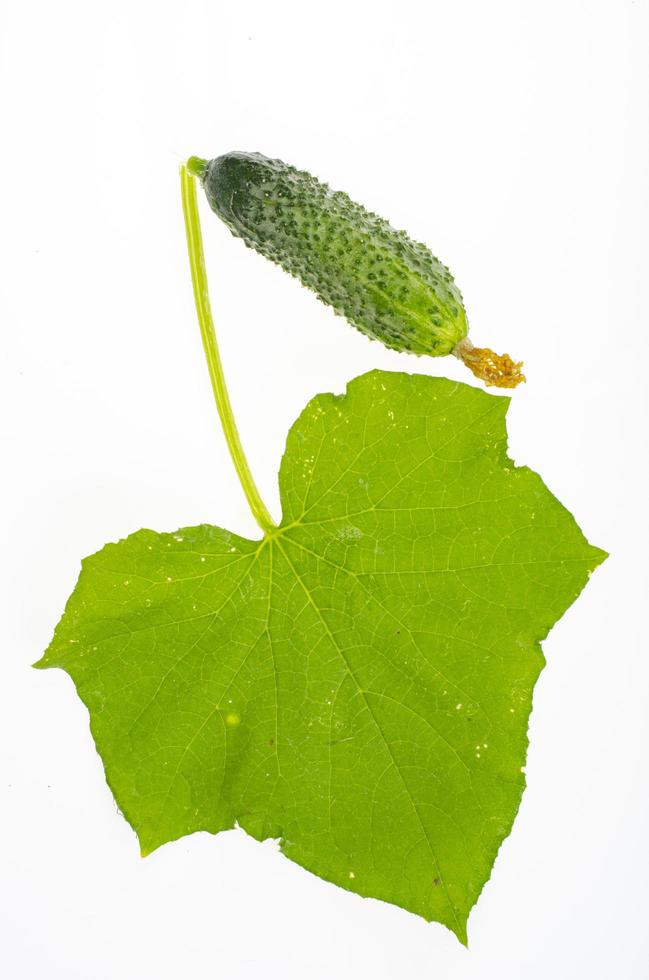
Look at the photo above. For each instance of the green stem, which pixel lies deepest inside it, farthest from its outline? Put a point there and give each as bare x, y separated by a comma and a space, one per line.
208, 334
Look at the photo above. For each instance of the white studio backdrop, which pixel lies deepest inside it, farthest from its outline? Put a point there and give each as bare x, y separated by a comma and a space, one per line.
511, 137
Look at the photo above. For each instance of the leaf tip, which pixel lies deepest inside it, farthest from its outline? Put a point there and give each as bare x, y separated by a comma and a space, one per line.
459, 930
147, 846
599, 556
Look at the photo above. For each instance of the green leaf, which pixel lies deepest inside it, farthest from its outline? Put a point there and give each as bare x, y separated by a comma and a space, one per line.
356, 684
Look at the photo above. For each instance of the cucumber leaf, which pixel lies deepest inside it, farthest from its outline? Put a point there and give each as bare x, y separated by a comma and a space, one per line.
357, 683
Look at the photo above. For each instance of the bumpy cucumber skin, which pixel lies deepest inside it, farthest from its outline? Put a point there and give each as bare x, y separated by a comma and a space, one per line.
386, 285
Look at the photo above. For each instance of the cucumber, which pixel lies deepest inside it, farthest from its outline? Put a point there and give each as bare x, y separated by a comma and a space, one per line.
391, 288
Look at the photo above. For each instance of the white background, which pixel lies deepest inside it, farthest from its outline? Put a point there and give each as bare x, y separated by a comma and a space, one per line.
510, 136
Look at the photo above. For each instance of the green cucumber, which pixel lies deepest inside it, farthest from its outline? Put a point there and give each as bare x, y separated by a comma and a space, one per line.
388, 286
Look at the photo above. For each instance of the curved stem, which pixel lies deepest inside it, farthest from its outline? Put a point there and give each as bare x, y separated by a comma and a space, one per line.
215, 368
